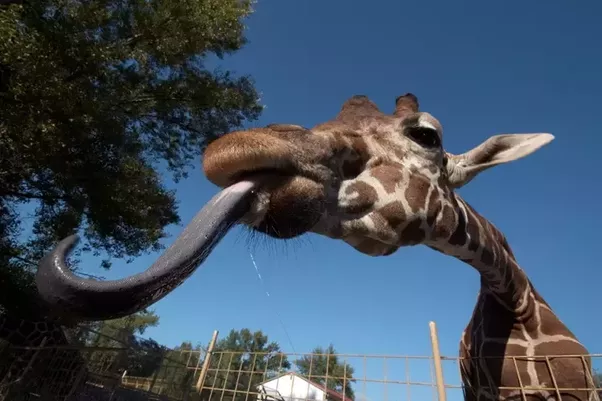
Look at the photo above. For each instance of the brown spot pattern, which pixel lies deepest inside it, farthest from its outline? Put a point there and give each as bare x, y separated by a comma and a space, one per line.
458, 237
394, 214
433, 207
472, 228
365, 199
352, 150
417, 191
413, 234
389, 176
445, 226
551, 325
381, 225
487, 256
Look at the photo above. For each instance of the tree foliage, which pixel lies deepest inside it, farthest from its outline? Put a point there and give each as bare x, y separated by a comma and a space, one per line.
324, 367
240, 362
177, 371
126, 328
95, 96
142, 357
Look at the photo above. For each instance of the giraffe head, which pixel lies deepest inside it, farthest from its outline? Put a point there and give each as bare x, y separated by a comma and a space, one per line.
375, 181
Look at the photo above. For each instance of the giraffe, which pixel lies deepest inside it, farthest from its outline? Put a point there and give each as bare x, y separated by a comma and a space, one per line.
31, 365
378, 182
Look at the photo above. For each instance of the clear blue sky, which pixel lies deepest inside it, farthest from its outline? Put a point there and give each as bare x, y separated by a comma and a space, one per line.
482, 68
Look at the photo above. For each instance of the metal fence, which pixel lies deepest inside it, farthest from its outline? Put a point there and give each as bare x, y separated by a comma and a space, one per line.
87, 373
93, 367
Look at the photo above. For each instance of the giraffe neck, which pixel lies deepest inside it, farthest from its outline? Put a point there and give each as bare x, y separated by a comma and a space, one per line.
34, 364
30, 333
480, 244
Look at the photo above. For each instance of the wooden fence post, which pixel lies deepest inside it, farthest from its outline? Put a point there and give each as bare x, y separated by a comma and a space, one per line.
205, 367
155, 375
437, 362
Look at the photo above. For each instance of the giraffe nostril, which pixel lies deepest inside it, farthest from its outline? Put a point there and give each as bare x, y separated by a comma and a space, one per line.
351, 167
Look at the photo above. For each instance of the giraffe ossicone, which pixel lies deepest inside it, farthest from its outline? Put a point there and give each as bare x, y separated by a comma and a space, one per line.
377, 182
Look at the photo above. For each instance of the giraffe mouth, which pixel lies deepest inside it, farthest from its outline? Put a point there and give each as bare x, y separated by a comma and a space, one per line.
287, 203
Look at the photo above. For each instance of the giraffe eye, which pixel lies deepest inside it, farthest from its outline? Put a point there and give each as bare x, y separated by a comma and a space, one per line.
424, 136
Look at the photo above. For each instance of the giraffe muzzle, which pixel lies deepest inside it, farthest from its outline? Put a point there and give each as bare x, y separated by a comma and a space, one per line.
71, 298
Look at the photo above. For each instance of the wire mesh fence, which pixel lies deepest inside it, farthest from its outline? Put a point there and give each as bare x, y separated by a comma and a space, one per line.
116, 371
93, 365
374, 377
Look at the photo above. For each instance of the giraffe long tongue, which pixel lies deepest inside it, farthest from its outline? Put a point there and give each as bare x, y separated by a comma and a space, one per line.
72, 298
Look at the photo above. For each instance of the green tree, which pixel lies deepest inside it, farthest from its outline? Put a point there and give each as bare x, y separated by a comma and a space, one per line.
124, 329
140, 357
144, 357
324, 367
96, 97
177, 371
112, 332
240, 362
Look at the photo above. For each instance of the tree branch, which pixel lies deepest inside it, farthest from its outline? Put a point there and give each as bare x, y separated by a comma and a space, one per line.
25, 195
9, 2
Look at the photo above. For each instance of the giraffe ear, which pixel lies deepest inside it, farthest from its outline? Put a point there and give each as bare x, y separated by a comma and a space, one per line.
496, 150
